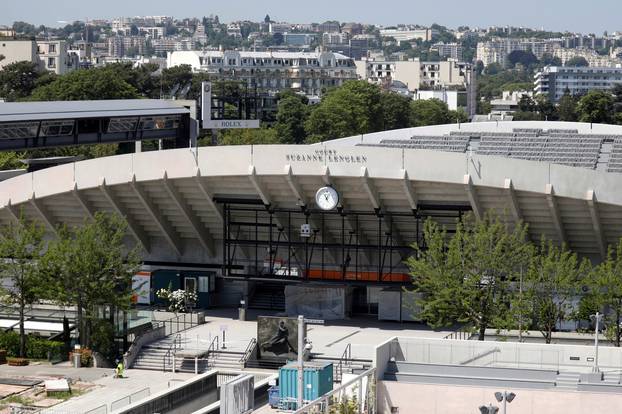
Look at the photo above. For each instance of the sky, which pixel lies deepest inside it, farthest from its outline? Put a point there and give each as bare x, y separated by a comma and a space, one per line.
555, 15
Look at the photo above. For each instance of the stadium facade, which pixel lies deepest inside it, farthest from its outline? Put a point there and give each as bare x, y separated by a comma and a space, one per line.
242, 221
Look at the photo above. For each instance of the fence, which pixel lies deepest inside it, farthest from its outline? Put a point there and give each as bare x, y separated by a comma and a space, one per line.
179, 323
355, 396
130, 399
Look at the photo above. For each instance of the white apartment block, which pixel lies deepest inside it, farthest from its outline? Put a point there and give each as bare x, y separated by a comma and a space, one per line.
497, 51
448, 50
335, 38
165, 45
415, 73
593, 58
405, 35
554, 81
51, 55
307, 72
156, 32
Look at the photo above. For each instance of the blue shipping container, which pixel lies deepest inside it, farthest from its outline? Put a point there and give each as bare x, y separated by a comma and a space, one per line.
318, 380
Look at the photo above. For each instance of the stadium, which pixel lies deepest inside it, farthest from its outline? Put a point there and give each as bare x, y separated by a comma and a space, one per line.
242, 223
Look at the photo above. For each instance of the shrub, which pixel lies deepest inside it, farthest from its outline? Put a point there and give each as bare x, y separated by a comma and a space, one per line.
36, 348
86, 357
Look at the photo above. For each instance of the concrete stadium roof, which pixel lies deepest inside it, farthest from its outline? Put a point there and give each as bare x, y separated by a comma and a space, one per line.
39, 111
167, 196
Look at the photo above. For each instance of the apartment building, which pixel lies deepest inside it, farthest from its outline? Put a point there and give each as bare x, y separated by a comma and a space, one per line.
119, 46
165, 45
307, 72
298, 39
592, 57
51, 55
415, 73
497, 50
554, 81
405, 35
448, 50
335, 38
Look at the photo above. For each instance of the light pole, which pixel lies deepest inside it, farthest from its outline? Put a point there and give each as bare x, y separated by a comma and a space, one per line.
597, 317
488, 409
505, 397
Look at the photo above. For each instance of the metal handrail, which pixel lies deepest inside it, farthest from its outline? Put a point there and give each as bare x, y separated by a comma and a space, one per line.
249, 350
345, 360
213, 346
464, 333
170, 353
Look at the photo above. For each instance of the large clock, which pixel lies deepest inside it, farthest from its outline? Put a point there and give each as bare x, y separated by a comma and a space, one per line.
327, 198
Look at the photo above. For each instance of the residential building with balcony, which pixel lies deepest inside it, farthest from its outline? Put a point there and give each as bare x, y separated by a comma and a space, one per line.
554, 81
448, 50
306, 72
51, 55
405, 35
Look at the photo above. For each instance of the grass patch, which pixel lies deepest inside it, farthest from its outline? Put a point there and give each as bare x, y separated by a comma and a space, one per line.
17, 399
65, 395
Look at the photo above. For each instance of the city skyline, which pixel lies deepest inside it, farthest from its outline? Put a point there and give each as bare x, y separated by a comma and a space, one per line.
529, 13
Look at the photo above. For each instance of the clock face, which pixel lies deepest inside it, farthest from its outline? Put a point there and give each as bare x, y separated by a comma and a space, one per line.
327, 198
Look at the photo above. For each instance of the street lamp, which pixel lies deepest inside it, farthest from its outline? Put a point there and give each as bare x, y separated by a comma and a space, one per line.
597, 318
505, 397
488, 409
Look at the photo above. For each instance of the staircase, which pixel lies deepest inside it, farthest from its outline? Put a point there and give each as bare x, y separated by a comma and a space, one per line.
268, 296
152, 357
225, 359
567, 380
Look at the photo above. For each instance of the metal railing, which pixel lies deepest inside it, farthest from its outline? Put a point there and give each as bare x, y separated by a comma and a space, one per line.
345, 360
130, 399
213, 347
355, 396
169, 357
464, 333
248, 352
179, 323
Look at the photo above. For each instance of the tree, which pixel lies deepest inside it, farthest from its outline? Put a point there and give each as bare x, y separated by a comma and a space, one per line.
552, 282
567, 107
18, 80
429, 112
86, 85
526, 104
546, 108
467, 278
596, 107
395, 110
175, 78
606, 279
90, 267
292, 113
577, 61
522, 57
354, 108
257, 136
21, 245
550, 60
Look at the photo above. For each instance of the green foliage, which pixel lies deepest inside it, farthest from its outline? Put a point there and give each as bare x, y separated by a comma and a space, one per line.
258, 136
91, 84
293, 111
89, 266
596, 107
36, 348
577, 61
21, 244
175, 78
523, 58
11, 160
550, 285
102, 338
19, 79
395, 110
352, 109
567, 108
429, 112
466, 277
493, 83
606, 294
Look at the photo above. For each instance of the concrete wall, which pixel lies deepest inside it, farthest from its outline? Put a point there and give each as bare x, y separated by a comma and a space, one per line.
17, 50
442, 399
519, 355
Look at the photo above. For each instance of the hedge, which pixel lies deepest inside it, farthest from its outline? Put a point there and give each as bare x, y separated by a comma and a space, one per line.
36, 348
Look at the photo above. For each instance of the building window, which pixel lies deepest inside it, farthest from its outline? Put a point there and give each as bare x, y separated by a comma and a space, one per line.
52, 49
51, 62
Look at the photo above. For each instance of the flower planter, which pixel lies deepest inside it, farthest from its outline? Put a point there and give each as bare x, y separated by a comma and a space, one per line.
17, 362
